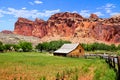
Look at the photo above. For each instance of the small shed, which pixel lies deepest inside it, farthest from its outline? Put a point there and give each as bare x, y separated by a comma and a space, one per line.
71, 50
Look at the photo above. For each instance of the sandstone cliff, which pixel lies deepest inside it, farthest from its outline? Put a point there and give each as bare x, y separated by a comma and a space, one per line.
71, 26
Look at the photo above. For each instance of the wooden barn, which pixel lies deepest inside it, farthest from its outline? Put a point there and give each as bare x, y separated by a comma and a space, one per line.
71, 50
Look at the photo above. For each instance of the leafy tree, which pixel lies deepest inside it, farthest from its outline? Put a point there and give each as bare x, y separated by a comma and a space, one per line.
1, 47
25, 46
113, 47
11, 47
118, 47
39, 47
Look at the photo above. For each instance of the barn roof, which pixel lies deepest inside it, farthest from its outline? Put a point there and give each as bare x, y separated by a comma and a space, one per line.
66, 48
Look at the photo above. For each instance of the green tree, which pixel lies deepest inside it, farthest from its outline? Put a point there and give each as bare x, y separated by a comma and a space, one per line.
11, 47
39, 47
118, 47
25, 46
113, 47
1, 47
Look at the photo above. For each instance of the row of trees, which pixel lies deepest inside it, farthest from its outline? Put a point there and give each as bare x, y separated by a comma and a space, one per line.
21, 46
100, 46
50, 46
54, 45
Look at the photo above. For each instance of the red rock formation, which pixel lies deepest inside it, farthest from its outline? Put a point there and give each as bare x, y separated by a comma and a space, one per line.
24, 27
7, 32
94, 16
71, 25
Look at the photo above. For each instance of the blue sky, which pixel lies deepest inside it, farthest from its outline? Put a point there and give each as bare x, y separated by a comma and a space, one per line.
10, 10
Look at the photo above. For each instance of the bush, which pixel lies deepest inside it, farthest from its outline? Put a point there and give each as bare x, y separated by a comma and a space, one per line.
39, 47
1, 47
11, 47
25, 46
118, 47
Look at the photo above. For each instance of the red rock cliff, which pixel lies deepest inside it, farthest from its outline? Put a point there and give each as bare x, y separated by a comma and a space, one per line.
71, 25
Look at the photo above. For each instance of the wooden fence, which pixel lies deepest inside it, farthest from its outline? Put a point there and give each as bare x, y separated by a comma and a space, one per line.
112, 60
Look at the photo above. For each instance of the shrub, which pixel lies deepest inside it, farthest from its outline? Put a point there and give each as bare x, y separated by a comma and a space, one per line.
39, 47
118, 47
11, 47
25, 46
1, 47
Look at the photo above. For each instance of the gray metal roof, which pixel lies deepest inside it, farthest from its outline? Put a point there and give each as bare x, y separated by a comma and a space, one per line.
66, 48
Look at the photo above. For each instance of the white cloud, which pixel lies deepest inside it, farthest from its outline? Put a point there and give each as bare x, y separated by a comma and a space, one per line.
85, 13
28, 13
1, 15
98, 13
38, 2
24, 8
115, 14
35, 2
31, 3
74, 12
108, 7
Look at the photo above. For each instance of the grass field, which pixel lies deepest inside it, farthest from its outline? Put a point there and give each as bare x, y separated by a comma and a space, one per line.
38, 66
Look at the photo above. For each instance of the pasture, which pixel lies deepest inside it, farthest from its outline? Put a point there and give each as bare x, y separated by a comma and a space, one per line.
43, 66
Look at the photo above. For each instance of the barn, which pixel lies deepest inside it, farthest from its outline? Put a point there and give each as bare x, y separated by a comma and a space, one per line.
71, 50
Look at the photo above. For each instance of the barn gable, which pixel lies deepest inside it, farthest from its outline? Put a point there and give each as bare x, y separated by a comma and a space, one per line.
69, 50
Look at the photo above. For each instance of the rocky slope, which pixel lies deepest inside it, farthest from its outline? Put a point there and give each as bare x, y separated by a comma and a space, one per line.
71, 26
14, 39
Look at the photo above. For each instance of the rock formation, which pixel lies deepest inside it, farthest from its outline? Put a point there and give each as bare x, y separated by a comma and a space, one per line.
71, 26
7, 32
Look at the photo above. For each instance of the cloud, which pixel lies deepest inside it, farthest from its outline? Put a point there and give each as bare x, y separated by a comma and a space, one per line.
85, 13
31, 3
35, 2
98, 13
24, 8
38, 2
115, 14
28, 13
74, 12
1, 15
108, 7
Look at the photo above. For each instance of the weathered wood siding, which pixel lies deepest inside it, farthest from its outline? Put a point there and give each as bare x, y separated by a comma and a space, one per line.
79, 51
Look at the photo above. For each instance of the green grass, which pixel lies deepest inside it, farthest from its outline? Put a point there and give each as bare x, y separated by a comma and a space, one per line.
38, 66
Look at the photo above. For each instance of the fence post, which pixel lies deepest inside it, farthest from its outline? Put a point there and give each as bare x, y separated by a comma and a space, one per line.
113, 62
118, 59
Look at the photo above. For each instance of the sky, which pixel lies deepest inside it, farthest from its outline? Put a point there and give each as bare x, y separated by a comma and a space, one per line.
10, 10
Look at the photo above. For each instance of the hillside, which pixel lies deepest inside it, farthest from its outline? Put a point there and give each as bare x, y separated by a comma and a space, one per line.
73, 27
14, 38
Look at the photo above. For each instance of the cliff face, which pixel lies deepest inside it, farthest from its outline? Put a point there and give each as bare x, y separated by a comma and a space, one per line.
71, 26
